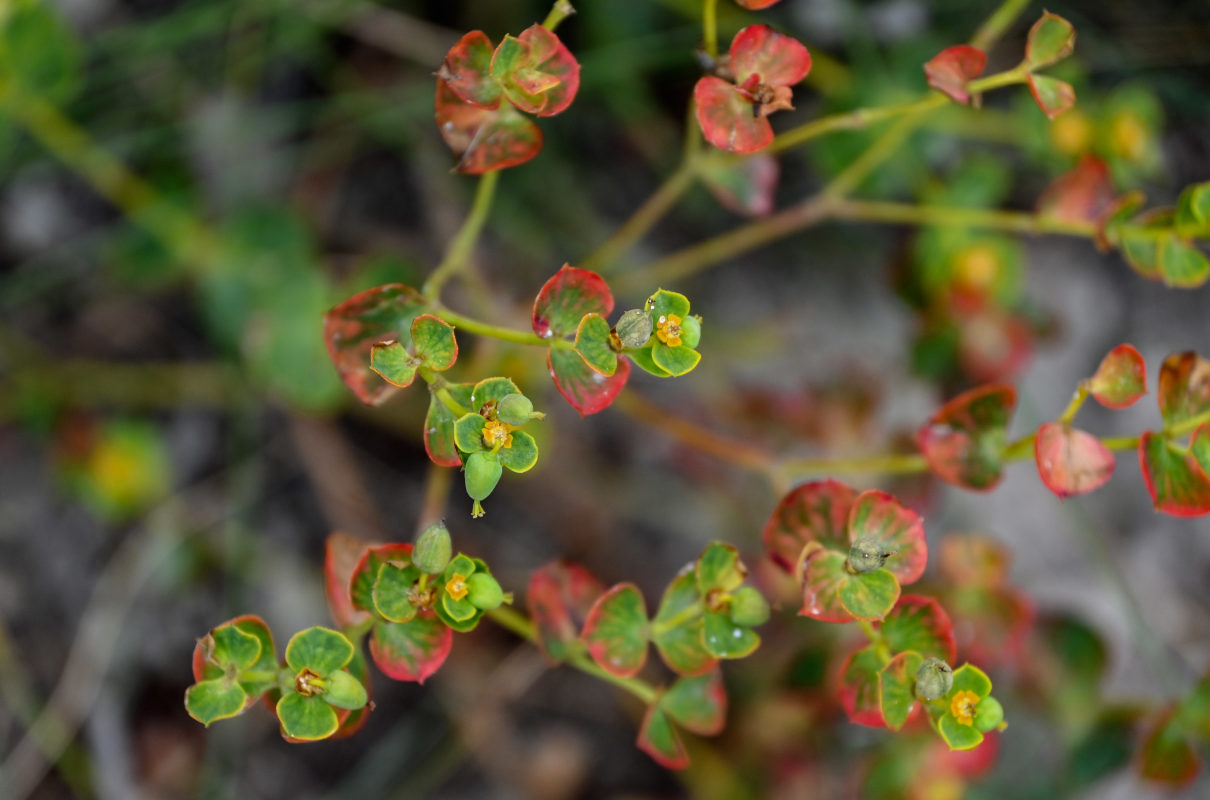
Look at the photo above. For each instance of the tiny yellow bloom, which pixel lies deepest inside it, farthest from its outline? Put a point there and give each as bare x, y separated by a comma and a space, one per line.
496, 433
668, 329
963, 707
456, 588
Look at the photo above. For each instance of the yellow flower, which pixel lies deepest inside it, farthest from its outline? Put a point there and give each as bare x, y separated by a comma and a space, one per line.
963, 707
496, 433
456, 588
668, 329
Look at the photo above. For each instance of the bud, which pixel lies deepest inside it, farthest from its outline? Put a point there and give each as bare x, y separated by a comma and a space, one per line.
691, 332
516, 409
484, 591
989, 715
749, 607
433, 549
866, 555
934, 679
634, 328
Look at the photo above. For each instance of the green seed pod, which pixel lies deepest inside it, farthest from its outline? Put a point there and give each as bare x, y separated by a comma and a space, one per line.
514, 409
866, 555
484, 591
989, 714
482, 473
749, 607
691, 332
433, 549
634, 328
934, 679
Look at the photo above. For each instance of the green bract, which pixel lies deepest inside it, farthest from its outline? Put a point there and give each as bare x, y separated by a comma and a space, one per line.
232, 665
489, 442
317, 658
464, 591
960, 716
671, 350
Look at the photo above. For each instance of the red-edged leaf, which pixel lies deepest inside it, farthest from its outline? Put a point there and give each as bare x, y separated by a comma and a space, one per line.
950, 70
897, 689
412, 650
822, 576
658, 738
756, 5
616, 630
467, 70
859, 688
538, 73
698, 703
897, 529
974, 559
559, 598
1052, 95
994, 344
1071, 461
726, 118
1167, 756
342, 553
1081, 195
483, 139
439, 426
1121, 379
919, 623
774, 58
1184, 387
990, 624
1051, 39
683, 646
352, 328
964, 441
564, 300
814, 512
361, 585
586, 390
205, 669
1176, 480
745, 187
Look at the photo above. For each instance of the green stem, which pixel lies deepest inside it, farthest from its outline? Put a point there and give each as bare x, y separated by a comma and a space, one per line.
948, 216
891, 464
999, 22
1189, 425
1073, 407
499, 332
560, 11
522, 626
710, 27
462, 243
881, 648
643, 219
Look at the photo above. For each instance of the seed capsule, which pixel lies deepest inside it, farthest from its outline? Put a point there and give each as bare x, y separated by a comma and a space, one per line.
515, 409
934, 679
749, 607
691, 332
866, 555
482, 473
433, 549
485, 591
634, 328
989, 715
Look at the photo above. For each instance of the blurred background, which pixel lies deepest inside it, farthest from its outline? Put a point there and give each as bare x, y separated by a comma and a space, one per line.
175, 445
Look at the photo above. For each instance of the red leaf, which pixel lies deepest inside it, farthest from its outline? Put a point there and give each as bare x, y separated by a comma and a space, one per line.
726, 118
467, 70
1082, 194
897, 529
774, 58
1071, 461
964, 441
483, 139
756, 5
548, 77
859, 688
352, 328
1184, 387
412, 650
564, 300
950, 70
1121, 379
814, 512
1052, 95
559, 598
342, 553
585, 389
919, 623
745, 187
1178, 483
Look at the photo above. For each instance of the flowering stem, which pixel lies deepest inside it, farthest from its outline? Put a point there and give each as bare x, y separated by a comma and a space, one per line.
499, 332
462, 243
643, 219
561, 10
947, 216
881, 649
710, 27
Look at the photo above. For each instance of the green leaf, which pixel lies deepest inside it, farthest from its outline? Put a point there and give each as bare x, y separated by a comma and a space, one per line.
964, 441
969, 678
38, 52
698, 703
724, 639
365, 573
1176, 480
681, 647
322, 650
491, 390
345, 691
521, 455
468, 433
234, 648
957, 735
457, 611
676, 361
413, 650
616, 630
1052, 95
664, 303
1139, 239
434, 343
392, 362
1193, 211
719, 567
212, 700
1181, 264
658, 738
307, 719
869, 595
392, 592
897, 688
1051, 39
645, 361
920, 624
566, 298
592, 343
